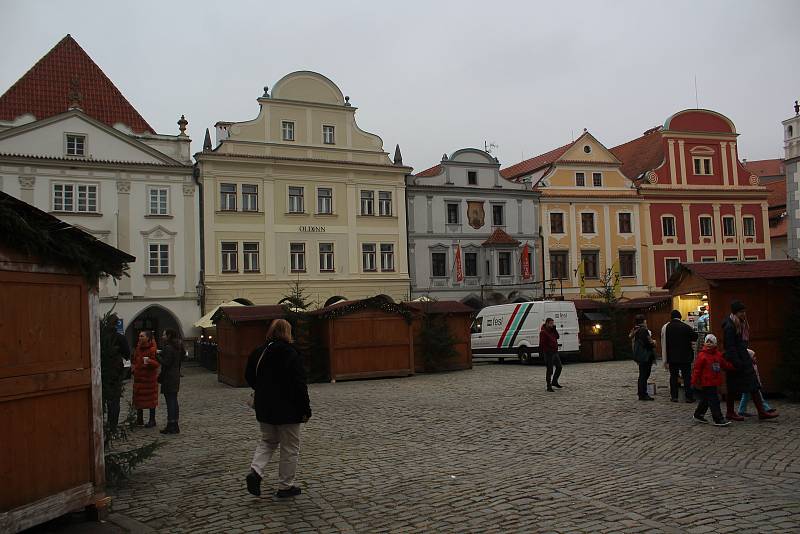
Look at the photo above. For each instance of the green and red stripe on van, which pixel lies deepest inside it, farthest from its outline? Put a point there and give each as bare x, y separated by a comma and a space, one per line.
514, 325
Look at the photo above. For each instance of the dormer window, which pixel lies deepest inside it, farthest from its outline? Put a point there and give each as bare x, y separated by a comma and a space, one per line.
328, 135
702, 166
287, 130
472, 177
75, 145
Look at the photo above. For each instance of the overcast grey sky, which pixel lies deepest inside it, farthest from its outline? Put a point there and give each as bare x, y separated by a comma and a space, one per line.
438, 76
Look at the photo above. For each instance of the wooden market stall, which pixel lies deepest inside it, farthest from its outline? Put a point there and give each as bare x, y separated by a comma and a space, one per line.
458, 318
240, 329
51, 415
765, 287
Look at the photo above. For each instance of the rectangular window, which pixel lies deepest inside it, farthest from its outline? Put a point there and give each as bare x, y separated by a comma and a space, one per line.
76, 145
227, 197
439, 264
671, 265
470, 264
367, 203
250, 257
668, 226
287, 130
751, 258
368, 257
597, 179
87, 198
158, 204
708, 259
625, 226
158, 258
249, 197
472, 177
702, 166
556, 223
230, 257
387, 257
590, 264
558, 265
627, 263
504, 264
452, 213
587, 223
76, 198
296, 203
327, 135
749, 226
730, 258
728, 227
580, 179
325, 200
706, 226
326, 257
385, 203
498, 217
297, 257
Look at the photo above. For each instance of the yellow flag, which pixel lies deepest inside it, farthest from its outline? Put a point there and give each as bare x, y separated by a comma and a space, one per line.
582, 279
615, 274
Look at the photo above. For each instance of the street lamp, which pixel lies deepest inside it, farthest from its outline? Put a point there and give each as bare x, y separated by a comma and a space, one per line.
201, 291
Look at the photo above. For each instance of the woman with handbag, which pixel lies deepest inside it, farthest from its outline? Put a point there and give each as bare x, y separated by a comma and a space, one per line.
280, 398
170, 377
145, 378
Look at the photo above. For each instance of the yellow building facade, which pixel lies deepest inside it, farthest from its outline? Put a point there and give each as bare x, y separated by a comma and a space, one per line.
301, 193
590, 219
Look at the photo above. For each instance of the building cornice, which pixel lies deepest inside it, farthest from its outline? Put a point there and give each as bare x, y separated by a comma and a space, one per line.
134, 166
488, 191
203, 157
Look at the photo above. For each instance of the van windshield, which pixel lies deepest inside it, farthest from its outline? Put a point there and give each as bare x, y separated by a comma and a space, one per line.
477, 325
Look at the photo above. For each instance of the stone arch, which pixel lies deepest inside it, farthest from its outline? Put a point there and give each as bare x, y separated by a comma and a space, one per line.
152, 317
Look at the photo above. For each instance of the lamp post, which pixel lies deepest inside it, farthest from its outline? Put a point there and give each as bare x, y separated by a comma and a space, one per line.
200, 288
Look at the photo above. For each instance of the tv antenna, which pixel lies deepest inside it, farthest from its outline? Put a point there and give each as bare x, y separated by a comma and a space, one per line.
489, 148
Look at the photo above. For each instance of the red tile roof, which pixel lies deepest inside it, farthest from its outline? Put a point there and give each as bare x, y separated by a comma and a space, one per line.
43, 90
436, 170
780, 229
641, 154
500, 237
777, 193
738, 270
765, 167
533, 164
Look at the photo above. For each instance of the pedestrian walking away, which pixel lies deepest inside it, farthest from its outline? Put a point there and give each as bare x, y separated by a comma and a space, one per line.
145, 378
676, 344
742, 378
280, 398
643, 355
548, 344
170, 377
707, 377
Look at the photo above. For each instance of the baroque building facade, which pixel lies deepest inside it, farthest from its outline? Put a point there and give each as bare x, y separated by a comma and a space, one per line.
73, 146
467, 231
791, 156
301, 195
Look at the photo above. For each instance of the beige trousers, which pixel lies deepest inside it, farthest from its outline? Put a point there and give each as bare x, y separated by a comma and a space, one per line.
288, 438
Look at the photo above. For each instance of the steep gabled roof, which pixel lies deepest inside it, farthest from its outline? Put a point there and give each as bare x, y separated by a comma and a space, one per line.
777, 193
44, 90
533, 164
436, 170
500, 237
641, 154
765, 167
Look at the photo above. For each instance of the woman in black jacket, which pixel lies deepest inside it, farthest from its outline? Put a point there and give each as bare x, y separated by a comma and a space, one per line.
743, 379
170, 377
275, 371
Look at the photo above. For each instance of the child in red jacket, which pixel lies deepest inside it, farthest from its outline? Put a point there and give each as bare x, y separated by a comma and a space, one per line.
706, 378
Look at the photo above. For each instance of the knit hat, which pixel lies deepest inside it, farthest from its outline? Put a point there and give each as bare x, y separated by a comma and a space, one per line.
711, 339
737, 306
675, 314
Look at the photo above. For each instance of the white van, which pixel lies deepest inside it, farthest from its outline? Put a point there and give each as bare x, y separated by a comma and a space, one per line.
512, 330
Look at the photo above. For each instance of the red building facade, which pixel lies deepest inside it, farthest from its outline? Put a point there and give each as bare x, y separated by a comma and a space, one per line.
699, 203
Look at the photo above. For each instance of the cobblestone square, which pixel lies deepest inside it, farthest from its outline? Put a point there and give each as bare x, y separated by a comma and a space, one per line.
484, 450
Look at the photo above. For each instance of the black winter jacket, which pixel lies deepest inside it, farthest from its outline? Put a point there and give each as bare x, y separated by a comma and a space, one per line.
743, 378
281, 394
679, 337
170, 360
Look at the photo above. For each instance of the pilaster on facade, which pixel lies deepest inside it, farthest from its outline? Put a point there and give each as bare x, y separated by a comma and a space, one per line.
723, 156
682, 155
673, 172
734, 165
718, 239
687, 231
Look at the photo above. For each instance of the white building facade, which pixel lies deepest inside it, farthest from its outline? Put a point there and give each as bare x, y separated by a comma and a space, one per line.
791, 151
464, 204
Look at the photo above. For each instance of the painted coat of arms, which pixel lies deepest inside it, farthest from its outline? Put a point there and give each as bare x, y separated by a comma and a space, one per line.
475, 213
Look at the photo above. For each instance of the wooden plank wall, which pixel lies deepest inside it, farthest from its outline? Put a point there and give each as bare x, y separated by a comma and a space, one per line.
235, 343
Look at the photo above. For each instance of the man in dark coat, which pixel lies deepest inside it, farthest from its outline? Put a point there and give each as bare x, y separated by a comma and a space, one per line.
114, 348
743, 379
678, 338
643, 355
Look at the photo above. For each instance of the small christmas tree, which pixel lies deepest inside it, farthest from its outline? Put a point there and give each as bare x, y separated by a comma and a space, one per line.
617, 331
435, 339
789, 368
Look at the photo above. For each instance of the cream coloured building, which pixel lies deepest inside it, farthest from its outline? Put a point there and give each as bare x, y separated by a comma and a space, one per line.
301, 193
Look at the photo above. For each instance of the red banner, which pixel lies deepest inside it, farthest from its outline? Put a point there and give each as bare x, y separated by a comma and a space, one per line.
526, 264
459, 270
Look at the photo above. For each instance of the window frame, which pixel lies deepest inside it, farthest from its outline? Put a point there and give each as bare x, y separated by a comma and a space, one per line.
299, 266
225, 197
154, 189
162, 253
561, 221
629, 222
501, 254
287, 130
233, 266
664, 219
474, 274
302, 196
456, 212
502, 212
91, 189
710, 219
370, 255
595, 177
323, 268
745, 220
384, 204
470, 176
436, 253
249, 255
329, 198
249, 196
387, 255
366, 200
708, 259
559, 254
593, 231
582, 181
77, 136
632, 255
667, 262
703, 160
595, 254
732, 219
325, 140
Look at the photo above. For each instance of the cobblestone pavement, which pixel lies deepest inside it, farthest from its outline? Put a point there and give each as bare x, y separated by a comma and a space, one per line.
484, 450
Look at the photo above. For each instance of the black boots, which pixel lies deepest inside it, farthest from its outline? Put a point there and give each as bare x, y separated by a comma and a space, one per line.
253, 483
171, 428
139, 418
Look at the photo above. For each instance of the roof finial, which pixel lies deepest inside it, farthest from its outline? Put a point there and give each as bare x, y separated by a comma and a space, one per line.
207, 141
74, 94
182, 122
347, 101
398, 157
796, 108
266, 92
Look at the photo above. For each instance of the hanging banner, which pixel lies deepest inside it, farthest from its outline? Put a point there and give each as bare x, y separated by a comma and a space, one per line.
459, 269
526, 263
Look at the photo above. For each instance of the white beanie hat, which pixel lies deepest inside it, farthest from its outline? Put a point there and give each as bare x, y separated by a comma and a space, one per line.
711, 339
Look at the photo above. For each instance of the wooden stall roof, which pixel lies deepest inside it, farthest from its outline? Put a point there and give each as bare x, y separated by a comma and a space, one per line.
712, 271
646, 302
440, 306
378, 302
245, 314
51, 240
